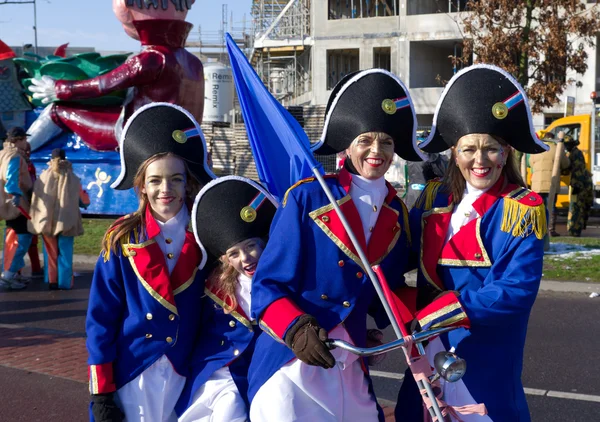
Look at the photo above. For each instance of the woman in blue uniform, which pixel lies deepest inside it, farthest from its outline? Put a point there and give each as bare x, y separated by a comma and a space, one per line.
310, 283
478, 232
240, 212
144, 309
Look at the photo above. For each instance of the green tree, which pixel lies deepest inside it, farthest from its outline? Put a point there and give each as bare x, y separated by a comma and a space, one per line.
537, 41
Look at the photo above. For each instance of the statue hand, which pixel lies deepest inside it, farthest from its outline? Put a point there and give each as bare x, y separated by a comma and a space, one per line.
43, 89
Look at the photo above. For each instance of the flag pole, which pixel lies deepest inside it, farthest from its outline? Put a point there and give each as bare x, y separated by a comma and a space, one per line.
434, 410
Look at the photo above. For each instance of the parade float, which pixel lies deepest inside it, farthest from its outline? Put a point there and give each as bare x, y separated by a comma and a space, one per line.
81, 102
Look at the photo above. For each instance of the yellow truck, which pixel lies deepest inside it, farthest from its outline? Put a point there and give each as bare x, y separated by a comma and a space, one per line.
580, 127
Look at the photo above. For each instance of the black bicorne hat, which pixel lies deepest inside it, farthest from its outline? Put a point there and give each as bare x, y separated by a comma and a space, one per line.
373, 100
228, 210
160, 128
483, 99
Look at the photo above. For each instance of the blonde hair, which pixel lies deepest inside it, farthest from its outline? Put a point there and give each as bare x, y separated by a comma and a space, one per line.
224, 279
124, 226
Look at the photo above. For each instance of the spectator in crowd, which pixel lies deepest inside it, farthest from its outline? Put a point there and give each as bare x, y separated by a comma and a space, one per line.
541, 175
57, 196
420, 172
581, 198
34, 257
15, 183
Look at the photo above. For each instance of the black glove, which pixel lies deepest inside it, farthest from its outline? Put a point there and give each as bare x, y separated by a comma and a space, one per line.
307, 340
15, 200
105, 409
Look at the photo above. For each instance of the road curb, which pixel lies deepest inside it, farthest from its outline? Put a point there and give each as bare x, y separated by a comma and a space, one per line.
546, 285
411, 278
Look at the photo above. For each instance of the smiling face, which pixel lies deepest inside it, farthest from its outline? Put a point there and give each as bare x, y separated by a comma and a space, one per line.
480, 159
243, 256
371, 154
164, 184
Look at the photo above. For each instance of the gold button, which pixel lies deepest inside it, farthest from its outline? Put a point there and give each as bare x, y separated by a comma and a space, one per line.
325, 219
132, 252
148, 335
170, 255
168, 240
478, 256
346, 304
324, 297
169, 339
370, 229
232, 324
359, 274
171, 317
148, 316
236, 352
341, 263
374, 208
222, 342
467, 214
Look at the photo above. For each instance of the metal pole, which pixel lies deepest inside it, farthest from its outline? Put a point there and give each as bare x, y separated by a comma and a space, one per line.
434, 409
35, 26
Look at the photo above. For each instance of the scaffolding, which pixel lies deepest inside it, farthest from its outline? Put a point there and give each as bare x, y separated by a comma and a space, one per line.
281, 52
211, 44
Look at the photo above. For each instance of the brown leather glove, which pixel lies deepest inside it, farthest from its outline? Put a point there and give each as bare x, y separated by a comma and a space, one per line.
307, 340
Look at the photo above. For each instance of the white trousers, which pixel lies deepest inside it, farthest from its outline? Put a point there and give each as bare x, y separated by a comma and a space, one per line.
218, 400
455, 393
152, 395
305, 393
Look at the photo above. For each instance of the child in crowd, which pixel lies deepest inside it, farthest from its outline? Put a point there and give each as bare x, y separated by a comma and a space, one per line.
145, 300
240, 212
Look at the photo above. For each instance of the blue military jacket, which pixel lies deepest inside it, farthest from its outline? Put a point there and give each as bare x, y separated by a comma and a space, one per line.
138, 313
227, 339
495, 263
310, 266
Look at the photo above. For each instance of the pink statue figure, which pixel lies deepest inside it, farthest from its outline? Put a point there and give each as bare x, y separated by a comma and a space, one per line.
162, 72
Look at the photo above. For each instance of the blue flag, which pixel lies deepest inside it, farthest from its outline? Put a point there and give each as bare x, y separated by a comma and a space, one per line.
280, 146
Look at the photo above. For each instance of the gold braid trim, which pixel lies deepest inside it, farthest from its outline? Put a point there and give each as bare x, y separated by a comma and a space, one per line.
425, 201
521, 220
295, 185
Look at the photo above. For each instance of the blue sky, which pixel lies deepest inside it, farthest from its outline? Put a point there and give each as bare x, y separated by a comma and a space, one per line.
91, 23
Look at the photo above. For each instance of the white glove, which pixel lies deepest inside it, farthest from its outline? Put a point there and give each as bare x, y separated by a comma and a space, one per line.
44, 89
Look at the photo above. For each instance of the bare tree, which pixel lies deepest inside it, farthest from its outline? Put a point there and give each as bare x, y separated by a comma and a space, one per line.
537, 41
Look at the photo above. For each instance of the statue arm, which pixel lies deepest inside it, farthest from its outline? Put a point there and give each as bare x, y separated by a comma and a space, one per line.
140, 69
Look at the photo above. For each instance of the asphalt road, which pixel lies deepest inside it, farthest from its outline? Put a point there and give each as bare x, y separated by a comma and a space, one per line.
561, 359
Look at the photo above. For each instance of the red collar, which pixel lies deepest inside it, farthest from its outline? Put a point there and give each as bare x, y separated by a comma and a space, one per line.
487, 199
152, 227
167, 32
345, 179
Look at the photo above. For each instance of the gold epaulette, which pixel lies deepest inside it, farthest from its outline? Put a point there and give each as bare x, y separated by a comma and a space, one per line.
524, 213
425, 200
300, 182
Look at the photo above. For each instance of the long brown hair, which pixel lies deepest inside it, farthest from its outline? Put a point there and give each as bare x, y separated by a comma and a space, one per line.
124, 226
224, 279
456, 184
